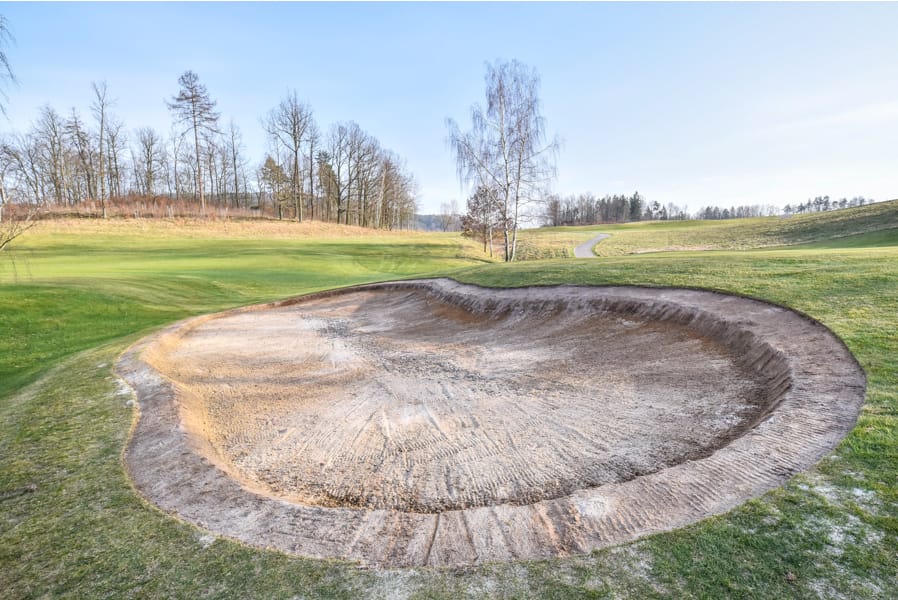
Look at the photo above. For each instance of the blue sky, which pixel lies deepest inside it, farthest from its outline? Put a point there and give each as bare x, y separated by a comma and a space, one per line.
694, 103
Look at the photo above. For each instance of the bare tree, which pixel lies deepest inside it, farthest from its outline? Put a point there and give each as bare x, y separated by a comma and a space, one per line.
84, 165
115, 145
14, 226
22, 218
337, 162
289, 123
49, 133
483, 216
313, 136
506, 147
98, 108
23, 156
147, 161
6, 75
236, 163
176, 140
22, 221
193, 107
449, 215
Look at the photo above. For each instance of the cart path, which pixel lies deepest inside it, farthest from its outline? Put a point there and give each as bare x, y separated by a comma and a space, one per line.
584, 250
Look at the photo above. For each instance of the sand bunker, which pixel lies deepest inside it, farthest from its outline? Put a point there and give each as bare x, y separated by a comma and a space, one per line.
433, 423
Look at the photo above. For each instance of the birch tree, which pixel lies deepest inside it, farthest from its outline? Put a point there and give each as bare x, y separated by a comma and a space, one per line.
193, 107
506, 147
6, 75
11, 228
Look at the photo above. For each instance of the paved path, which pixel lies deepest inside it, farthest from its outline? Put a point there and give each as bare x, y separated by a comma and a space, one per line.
584, 250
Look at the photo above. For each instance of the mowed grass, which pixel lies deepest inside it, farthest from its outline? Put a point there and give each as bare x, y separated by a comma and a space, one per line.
72, 285
72, 526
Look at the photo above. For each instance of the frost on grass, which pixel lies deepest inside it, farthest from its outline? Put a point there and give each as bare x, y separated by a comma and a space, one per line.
859, 589
205, 539
844, 535
843, 497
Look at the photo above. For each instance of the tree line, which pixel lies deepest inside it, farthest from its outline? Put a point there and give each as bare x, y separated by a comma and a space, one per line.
340, 174
824, 203
587, 209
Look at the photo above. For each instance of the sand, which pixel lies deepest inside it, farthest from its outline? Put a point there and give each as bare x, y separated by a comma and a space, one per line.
432, 423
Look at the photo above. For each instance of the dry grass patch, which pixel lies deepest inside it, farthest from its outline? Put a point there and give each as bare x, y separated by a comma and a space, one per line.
193, 228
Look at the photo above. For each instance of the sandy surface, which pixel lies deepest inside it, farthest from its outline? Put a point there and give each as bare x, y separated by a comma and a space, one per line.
394, 400
434, 423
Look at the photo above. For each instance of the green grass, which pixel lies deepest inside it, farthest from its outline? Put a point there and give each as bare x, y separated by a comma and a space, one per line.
737, 234
72, 526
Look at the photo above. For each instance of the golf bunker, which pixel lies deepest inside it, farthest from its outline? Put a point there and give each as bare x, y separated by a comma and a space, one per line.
434, 423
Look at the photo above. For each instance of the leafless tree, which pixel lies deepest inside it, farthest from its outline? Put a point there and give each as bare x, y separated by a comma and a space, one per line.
506, 147
237, 164
84, 180
22, 157
338, 167
193, 107
6, 75
483, 216
18, 159
115, 146
49, 132
98, 107
176, 141
346, 176
313, 137
22, 221
449, 215
148, 160
24, 160
289, 123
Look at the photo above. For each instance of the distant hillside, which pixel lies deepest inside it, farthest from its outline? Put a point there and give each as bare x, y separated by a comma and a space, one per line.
434, 223
734, 234
743, 234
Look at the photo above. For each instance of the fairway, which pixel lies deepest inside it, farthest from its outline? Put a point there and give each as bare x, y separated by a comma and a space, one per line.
79, 293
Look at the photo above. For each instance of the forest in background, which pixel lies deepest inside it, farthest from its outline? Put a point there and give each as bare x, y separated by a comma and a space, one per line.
95, 166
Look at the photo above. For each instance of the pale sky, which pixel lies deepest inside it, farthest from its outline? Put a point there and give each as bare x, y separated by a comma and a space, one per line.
696, 104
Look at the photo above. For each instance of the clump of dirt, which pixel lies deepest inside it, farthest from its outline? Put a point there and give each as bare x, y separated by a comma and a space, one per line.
433, 423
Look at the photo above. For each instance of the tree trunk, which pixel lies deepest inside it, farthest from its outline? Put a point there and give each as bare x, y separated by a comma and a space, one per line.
199, 164
297, 201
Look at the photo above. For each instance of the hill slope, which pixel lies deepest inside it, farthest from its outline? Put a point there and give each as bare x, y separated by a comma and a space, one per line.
736, 234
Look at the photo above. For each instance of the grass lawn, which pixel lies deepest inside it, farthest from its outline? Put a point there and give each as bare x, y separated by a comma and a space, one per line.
739, 234
79, 293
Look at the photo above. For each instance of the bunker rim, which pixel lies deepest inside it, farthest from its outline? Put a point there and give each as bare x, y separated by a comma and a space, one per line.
813, 391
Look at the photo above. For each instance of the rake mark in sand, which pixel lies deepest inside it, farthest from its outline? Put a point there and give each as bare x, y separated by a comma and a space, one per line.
434, 423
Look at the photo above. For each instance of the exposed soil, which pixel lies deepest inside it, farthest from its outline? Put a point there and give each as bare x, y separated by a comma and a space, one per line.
435, 423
